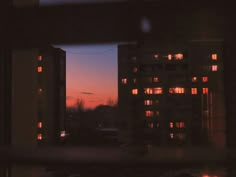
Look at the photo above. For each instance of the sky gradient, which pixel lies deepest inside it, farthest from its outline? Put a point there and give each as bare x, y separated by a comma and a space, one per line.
91, 71
91, 74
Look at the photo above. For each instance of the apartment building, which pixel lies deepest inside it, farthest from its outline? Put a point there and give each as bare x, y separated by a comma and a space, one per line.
171, 93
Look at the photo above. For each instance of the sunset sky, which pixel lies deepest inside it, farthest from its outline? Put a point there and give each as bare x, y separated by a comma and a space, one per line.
91, 71
91, 74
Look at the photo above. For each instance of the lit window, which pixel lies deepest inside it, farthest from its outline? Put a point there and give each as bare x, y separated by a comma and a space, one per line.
135, 69
169, 56
40, 90
148, 91
214, 56
157, 113
40, 124
40, 58
204, 90
179, 56
171, 135
194, 79
155, 56
40, 69
176, 90
155, 79
63, 133
147, 102
179, 124
39, 136
134, 91
124, 81
151, 125
157, 90
149, 113
214, 67
171, 125
134, 80
204, 79
194, 91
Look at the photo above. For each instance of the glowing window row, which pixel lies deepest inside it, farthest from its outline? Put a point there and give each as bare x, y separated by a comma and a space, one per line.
178, 56
150, 102
149, 91
154, 79
152, 125
176, 124
204, 79
150, 113
175, 90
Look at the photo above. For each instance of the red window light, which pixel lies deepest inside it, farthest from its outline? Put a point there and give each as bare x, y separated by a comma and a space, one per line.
39, 136
135, 91
171, 125
40, 124
149, 113
40, 58
214, 56
205, 90
40, 69
204, 79
214, 67
124, 81
194, 91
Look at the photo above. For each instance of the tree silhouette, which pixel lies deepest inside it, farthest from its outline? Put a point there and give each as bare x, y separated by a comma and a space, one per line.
79, 105
111, 102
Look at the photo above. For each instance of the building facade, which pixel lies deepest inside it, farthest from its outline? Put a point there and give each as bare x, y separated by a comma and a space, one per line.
51, 95
33, 100
171, 94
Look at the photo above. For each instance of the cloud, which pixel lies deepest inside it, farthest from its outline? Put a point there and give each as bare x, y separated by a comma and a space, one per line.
87, 93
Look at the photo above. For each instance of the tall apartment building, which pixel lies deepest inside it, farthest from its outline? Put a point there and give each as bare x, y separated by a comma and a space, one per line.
171, 94
51, 94
33, 99
39, 93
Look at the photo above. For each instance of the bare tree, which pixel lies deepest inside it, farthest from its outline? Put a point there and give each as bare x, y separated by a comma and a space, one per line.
111, 102
79, 104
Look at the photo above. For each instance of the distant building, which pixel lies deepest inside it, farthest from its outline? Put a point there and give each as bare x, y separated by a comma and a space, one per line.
171, 94
51, 94
33, 99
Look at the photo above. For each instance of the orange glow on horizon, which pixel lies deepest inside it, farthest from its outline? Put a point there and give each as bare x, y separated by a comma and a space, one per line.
91, 101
